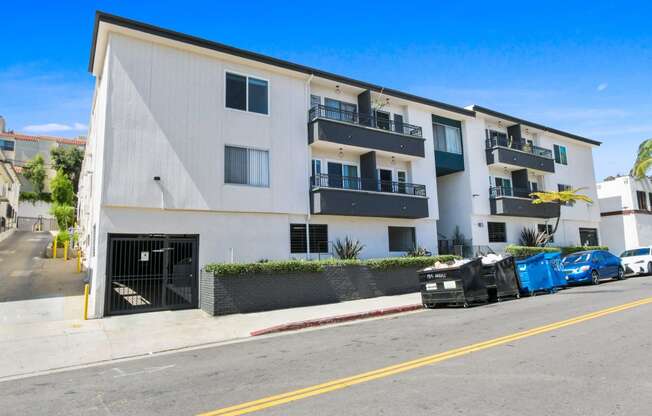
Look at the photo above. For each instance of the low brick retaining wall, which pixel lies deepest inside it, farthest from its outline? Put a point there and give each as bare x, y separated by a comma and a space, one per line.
225, 295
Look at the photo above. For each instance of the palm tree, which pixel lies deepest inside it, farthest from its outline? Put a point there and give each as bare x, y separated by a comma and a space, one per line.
569, 196
643, 160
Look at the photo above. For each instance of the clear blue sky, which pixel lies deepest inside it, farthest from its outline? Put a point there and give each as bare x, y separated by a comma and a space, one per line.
584, 67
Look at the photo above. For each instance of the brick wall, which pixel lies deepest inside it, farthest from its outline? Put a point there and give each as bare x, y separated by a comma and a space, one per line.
254, 293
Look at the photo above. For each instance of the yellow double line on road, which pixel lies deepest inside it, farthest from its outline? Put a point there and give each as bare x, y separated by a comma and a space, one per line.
319, 389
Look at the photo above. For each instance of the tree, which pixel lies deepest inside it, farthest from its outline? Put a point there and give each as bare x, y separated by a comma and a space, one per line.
63, 198
35, 173
643, 160
560, 197
69, 160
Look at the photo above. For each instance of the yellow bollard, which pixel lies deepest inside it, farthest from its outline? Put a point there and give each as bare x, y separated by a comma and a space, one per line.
79, 264
54, 249
65, 250
86, 289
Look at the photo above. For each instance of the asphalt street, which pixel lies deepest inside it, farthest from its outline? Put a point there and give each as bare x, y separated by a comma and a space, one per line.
598, 366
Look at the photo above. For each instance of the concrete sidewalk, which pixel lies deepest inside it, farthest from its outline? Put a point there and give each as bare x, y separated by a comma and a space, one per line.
32, 347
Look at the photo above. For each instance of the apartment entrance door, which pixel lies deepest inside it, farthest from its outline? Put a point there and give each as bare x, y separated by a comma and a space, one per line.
385, 180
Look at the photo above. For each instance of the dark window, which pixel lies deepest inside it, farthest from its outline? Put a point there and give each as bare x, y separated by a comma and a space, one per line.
236, 91
382, 120
547, 228
7, 145
650, 199
560, 155
497, 232
246, 166
498, 138
642, 200
589, 236
315, 101
247, 94
340, 110
318, 238
258, 96
402, 238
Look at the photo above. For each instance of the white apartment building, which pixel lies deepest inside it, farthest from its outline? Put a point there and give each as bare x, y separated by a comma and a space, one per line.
199, 152
9, 193
626, 210
484, 184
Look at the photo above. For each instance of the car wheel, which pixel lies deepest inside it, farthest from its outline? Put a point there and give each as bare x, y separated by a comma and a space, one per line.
649, 268
595, 277
621, 274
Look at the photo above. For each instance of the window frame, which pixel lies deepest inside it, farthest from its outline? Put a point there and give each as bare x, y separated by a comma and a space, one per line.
556, 150
304, 244
489, 233
269, 166
247, 76
389, 240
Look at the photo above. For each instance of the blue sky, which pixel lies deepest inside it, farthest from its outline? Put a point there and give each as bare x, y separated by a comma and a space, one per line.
584, 67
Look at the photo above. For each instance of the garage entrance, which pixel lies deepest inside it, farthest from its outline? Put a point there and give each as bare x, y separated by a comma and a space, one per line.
148, 273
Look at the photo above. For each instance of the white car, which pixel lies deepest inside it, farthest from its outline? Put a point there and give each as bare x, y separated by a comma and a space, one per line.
637, 261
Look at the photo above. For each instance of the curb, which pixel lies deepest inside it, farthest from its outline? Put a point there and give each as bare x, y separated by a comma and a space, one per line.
293, 326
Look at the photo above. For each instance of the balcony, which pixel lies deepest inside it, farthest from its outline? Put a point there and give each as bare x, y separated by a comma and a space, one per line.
516, 202
364, 131
519, 153
362, 197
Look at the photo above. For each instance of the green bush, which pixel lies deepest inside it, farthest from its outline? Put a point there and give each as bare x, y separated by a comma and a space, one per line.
61, 237
318, 266
523, 251
33, 197
574, 249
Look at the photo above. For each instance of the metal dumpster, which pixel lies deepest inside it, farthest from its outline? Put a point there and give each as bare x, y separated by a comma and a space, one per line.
500, 278
458, 286
555, 270
535, 274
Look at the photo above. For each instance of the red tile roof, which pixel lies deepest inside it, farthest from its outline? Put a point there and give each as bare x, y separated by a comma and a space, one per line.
30, 138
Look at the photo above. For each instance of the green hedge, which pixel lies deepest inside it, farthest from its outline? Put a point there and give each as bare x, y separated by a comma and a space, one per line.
574, 249
317, 266
523, 251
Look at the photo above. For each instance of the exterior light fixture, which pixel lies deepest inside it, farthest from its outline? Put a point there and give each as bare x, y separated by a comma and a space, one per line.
337, 89
340, 153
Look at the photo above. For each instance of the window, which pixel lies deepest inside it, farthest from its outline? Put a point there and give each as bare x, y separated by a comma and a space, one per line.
650, 199
315, 101
546, 228
534, 186
560, 155
561, 187
447, 138
246, 93
401, 178
246, 166
318, 238
589, 236
402, 238
636, 252
339, 110
641, 197
503, 187
497, 138
7, 145
497, 232
343, 176
316, 167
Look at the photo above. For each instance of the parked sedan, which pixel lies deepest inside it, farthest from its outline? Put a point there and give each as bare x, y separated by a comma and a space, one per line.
637, 261
592, 266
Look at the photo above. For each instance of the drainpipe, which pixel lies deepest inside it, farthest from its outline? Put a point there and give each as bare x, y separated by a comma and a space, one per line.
309, 171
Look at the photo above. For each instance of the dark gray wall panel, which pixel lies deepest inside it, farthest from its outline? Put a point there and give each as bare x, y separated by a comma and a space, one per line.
520, 207
518, 158
367, 204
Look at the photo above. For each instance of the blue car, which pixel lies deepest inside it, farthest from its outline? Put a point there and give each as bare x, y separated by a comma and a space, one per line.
591, 267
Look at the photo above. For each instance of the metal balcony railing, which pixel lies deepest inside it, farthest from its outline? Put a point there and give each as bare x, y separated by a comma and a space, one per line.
366, 184
367, 120
501, 191
521, 145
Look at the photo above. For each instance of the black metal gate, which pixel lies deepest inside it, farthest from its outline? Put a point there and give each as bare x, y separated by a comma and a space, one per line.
151, 273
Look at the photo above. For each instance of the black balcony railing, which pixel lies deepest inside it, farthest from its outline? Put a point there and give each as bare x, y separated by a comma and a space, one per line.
367, 120
521, 145
500, 191
365, 184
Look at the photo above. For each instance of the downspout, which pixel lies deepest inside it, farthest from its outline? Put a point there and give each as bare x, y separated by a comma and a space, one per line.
309, 169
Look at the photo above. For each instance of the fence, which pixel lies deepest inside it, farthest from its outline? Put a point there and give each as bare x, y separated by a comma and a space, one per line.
36, 224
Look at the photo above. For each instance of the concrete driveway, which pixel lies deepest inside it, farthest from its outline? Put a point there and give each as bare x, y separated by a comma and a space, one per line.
32, 288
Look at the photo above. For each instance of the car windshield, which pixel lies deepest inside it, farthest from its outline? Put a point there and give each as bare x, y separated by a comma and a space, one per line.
577, 258
636, 252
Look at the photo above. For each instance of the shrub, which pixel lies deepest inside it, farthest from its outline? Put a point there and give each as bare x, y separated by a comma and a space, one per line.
318, 266
523, 251
62, 236
418, 252
348, 249
574, 249
65, 215
531, 237
33, 197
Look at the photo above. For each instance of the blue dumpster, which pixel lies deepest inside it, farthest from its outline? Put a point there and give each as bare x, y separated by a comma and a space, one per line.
555, 270
535, 274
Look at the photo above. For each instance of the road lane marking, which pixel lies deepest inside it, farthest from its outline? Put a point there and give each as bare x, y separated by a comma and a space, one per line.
323, 388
